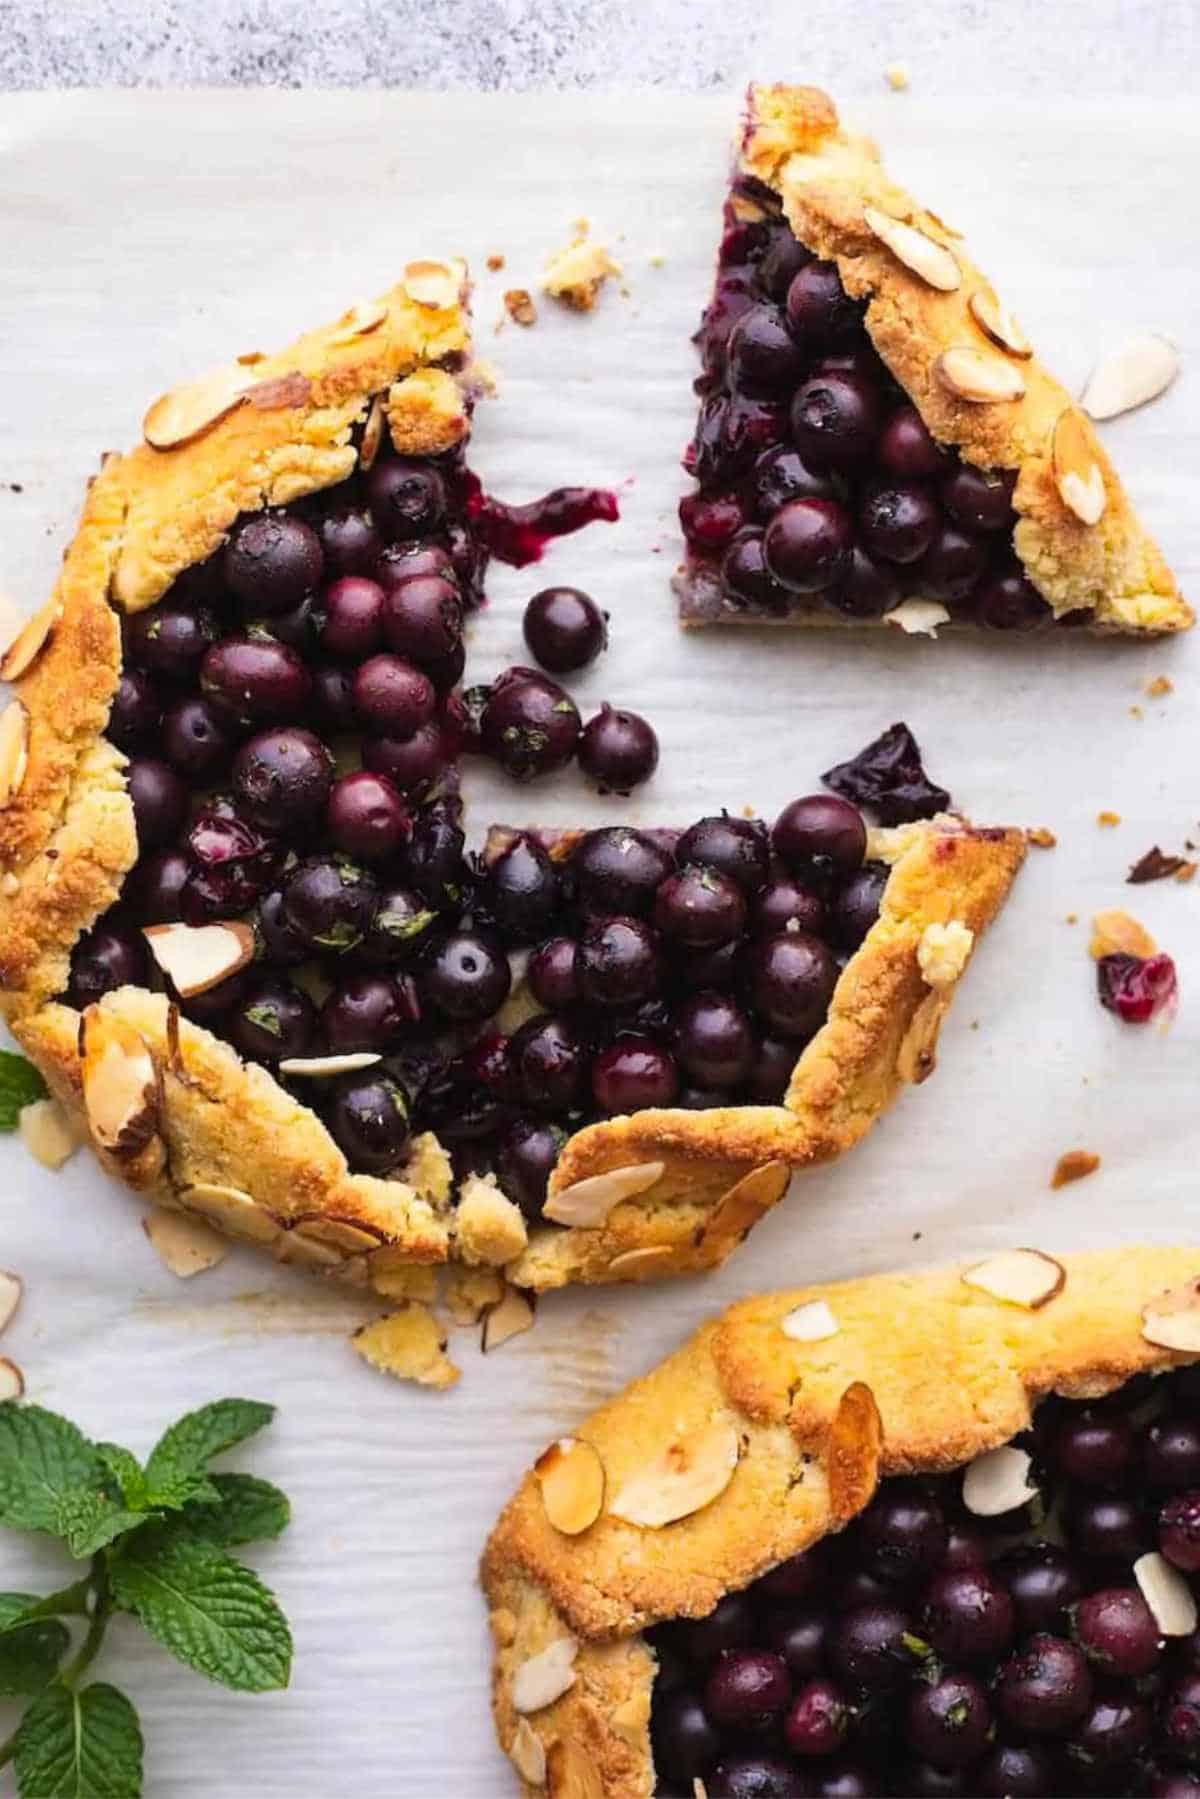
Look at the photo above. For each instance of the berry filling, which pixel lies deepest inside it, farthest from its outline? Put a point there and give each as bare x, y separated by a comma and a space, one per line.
819, 487
933, 1650
1137, 988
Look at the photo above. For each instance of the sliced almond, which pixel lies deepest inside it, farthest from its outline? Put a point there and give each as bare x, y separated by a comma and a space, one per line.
1077, 474
1138, 370
11, 1289
359, 321
810, 1323
47, 1133
931, 261
29, 642
588, 1203
852, 1451
571, 1477
545, 1677
1173, 1319
120, 1083
189, 411
434, 284
195, 957
632, 1263
918, 618
683, 1478
1022, 1277
571, 1773
998, 1482
372, 436
280, 392
527, 1754
1167, 1594
998, 323
186, 1245
14, 750
1116, 932
12, 1381
510, 1318
320, 1067
230, 1210
977, 376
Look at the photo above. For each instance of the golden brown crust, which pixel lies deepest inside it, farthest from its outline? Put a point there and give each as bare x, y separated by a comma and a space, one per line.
826, 177
952, 1372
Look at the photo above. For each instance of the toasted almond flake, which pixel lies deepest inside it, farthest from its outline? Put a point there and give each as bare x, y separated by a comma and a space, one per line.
1041, 837
998, 323
359, 321
186, 1245
570, 1475
187, 412
1167, 1594
1115, 932
635, 1262
29, 642
1077, 472
318, 1067
1022, 1277
512, 1316
14, 750
11, 1289
468, 1292
683, 1478
944, 951
527, 1754
1172, 1320
296, 1247
852, 1451
340, 1233
978, 376
230, 1210
588, 1203
281, 392
12, 1381
518, 304
197, 957
1074, 1165
810, 1323
46, 1133
918, 618
120, 1083
434, 284
542, 1678
1138, 370
408, 1344
372, 436
925, 257
998, 1482
571, 1773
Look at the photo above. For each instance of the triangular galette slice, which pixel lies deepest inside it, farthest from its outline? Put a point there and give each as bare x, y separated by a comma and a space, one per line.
877, 442
240, 931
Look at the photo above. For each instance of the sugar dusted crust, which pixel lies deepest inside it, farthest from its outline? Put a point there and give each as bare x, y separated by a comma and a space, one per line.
948, 1372
825, 176
228, 1141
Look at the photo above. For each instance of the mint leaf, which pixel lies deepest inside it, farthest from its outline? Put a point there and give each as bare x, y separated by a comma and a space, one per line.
126, 1470
190, 1445
245, 1510
29, 1657
20, 1085
15, 1608
204, 1607
89, 1519
42, 1457
79, 1746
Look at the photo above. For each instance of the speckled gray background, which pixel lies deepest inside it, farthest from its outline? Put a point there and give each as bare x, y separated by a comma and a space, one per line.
1077, 47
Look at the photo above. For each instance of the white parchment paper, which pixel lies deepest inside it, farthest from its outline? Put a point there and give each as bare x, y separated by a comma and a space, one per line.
146, 237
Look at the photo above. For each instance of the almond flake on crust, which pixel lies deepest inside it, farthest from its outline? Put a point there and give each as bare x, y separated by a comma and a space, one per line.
852, 1451
511, 1316
810, 1323
571, 1773
688, 1474
527, 1754
187, 1246
1074, 1165
47, 1133
409, 1345
1167, 1594
1077, 474
1022, 1277
1138, 370
359, 321
998, 1482
932, 261
588, 1203
197, 957
120, 1083
14, 750
632, 1262
230, 1210
576, 275
977, 376
943, 952
918, 618
1115, 932
469, 1292
1172, 1321
997, 323
570, 1477
11, 1289
323, 1067
437, 285
372, 435
542, 1678
12, 1381
30, 641
187, 412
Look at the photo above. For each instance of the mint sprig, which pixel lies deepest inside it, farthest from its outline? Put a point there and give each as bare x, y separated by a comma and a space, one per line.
20, 1085
156, 1539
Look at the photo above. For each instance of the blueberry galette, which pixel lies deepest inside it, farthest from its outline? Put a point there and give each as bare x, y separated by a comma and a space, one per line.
877, 442
239, 927
931, 1534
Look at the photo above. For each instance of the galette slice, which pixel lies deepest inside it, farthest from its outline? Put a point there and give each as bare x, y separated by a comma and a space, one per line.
877, 442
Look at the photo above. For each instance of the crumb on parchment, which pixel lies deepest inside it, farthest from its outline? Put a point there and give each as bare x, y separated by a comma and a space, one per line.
1160, 686
495, 262
1108, 820
1074, 1165
518, 303
1041, 837
897, 76
576, 274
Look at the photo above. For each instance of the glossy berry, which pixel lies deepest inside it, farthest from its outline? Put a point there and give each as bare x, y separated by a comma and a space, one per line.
352, 628
1170, 1452
868, 1648
801, 1636
280, 944
1045, 1688
155, 886
255, 680
526, 1157
948, 1721
1105, 1527
1180, 1720
902, 1533
401, 927
855, 907
350, 543
750, 1776
366, 816
633, 1073
968, 1616
368, 1119
619, 870
807, 543
407, 499
711, 521
699, 908
366, 1012
737, 848
952, 566
159, 798
979, 501
836, 420
282, 777
433, 860
272, 1021
747, 1689
413, 764
1042, 1581
761, 355
820, 832
1179, 1531
1011, 603
329, 903
213, 1006
906, 448
1095, 1448
617, 750
522, 893
819, 311
619, 962
553, 973
469, 976
550, 1065
685, 1743
170, 639
530, 725
897, 521
135, 713
391, 696
817, 1720
333, 700
271, 561
1116, 1630
564, 629
748, 581
792, 977
781, 262
786, 903
866, 588
780, 476
106, 957
422, 620
411, 559
714, 1041
194, 738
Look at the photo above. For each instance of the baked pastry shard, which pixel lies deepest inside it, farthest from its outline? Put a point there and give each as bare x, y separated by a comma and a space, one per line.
877, 442
241, 936
837, 1543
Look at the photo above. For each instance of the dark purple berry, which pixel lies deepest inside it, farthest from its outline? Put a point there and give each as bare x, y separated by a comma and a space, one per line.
353, 623
820, 832
272, 1021
633, 1073
160, 801
413, 764
747, 579
1115, 1728
737, 848
801, 1636
714, 1041
329, 903
1094, 1448
280, 944
135, 714
866, 589
282, 777
761, 355
1179, 1531
870, 1648
807, 544
271, 561
530, 726
367, 817
792, 977
1171, 1452
782, 261
619, 962
902, 1533
105, 957
968, 1616
897, 521
780, 476
817, 1720
407, 499
1011, 603
170, 639
835, 421
819, 310
422, 620
349, 541
468, 977
771, 1071
366, 1012
1045, 1688
948, 1721
565, 629
525, 1161
550, 1065
786, 903
855, 907
521, 894
1043, 1582
392, 697
255, 680
619, 870
155, 886
906, 448
553, 973
617, 750
951, 567
755, 1777
1105, 1527
194, 738
368, 1119
699, 908
747, 1689
685, 1744
978, 501
333, 700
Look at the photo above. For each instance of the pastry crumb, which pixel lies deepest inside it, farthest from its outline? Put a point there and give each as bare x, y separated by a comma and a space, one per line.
1041, 837
1187, 871
470, 1292
1107, 820
1154, 866
186, 1246
897, 77
1074, 1165
518, 303
1117, 933
1159, 686
656, 259
576, 274
1072, 918
1136, 712
495, 262
409, 1345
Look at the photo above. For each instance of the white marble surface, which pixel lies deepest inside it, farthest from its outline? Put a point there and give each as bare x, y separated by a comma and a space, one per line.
1007, 51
